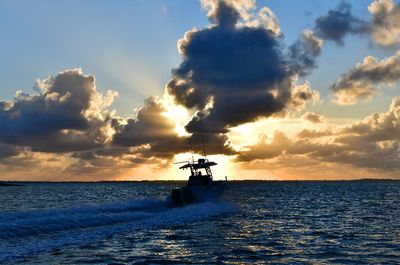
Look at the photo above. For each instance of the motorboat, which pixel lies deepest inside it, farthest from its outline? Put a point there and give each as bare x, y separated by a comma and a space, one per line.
200, 187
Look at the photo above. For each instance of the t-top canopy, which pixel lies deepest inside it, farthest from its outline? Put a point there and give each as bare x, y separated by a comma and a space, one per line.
201, 163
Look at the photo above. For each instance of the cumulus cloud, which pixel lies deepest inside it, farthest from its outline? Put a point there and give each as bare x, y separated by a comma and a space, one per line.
232, 68
338, 23
363, 81
242, 7
301, 94
234, 75
265, 18
169, 147
378, 127
385, 24
246, 12
307, 133
149, 126
65, 116
236, 70
373, 142
155, 135
266, 148
313, 117
69, 116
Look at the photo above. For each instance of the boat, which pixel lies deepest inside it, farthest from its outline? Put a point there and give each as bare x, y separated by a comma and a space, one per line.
200, 186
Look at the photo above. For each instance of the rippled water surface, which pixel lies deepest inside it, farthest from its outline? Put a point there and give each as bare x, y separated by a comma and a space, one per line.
258, 222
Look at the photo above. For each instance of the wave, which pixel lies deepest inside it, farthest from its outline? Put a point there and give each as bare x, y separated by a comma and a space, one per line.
23, 224
28, 233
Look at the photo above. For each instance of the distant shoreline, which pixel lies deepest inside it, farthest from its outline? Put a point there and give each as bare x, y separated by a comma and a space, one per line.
21, 183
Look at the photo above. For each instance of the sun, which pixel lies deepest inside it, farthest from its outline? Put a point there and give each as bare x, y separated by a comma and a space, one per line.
178, 114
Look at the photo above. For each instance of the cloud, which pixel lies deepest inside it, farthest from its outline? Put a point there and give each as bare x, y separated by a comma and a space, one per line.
313, 117
224, 16
234, 71
234, 74
243, 7
385, 23
35, 166
155, 134
233, 68
246, 12
151, 132
307, 133
265, 18
373, 143
169, 147
7, 150
304, 52
66, 115
363, 81
338, 23
301, 94
108, 161
149, 126
378, 127
265, 149
383, 28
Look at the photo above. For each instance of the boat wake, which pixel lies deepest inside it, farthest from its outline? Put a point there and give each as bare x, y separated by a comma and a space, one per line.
32, 232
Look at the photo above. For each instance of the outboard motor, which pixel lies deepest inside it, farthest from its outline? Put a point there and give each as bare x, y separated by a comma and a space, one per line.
176, 197
187, 195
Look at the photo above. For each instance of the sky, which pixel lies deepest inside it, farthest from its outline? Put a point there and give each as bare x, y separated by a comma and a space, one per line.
116, 90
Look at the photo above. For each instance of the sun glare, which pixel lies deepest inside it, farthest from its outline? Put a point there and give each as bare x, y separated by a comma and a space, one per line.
177, 114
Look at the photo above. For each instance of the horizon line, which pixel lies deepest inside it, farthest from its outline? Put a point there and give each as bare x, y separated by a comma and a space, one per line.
177, 180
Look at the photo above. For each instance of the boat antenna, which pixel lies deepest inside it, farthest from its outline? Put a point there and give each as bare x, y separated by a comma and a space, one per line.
191, 149
202, 140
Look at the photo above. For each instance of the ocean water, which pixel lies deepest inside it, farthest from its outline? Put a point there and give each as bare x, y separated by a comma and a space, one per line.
353, 222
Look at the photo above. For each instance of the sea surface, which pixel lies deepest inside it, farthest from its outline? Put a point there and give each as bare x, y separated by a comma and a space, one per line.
338, 222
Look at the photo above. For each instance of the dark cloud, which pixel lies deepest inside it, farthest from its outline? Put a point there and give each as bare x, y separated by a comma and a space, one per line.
155, 135
385, 24
338, 23
64, 117
110, 161
234, 71
214, 144
7, 150
303, 53
362, 82
107, 151
233, 75
149, 126
225, 16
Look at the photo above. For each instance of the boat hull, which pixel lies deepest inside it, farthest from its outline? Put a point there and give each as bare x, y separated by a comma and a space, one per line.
196, 194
